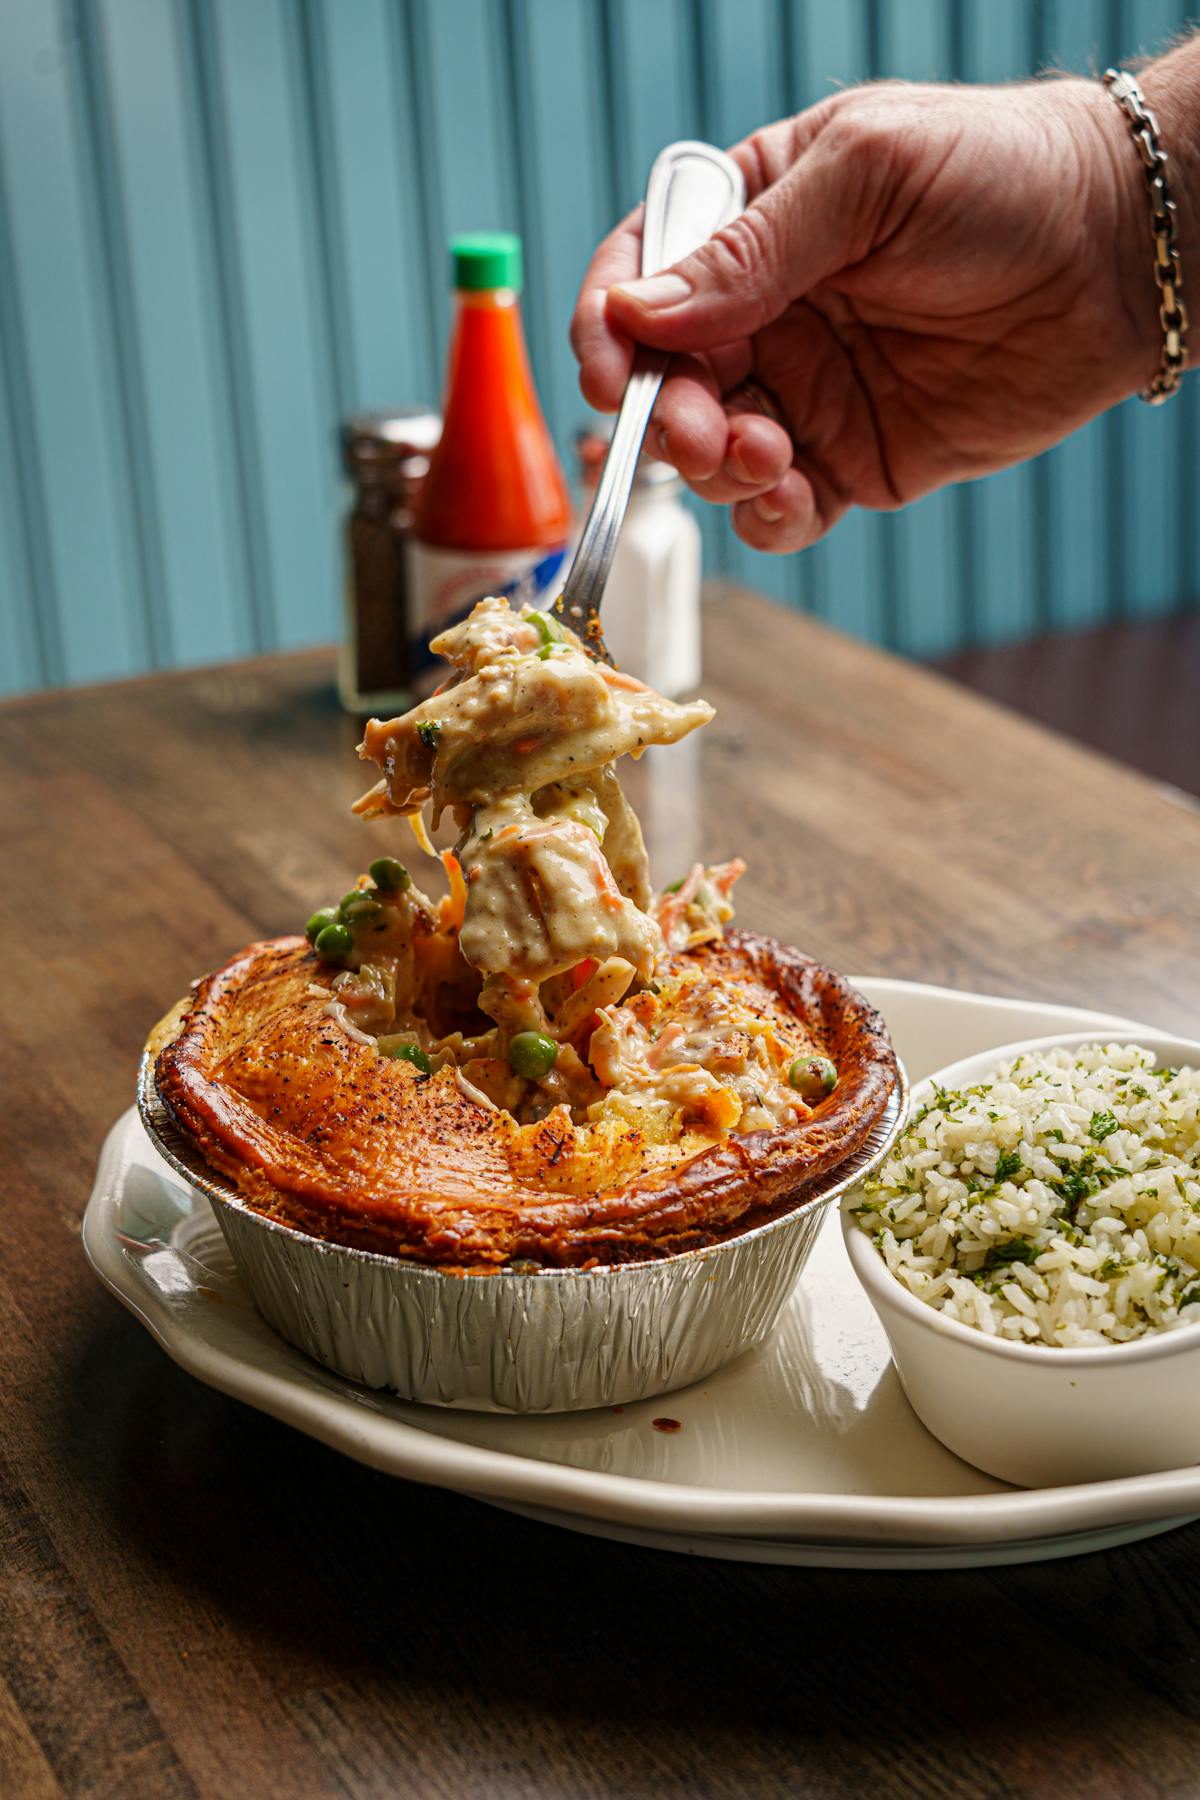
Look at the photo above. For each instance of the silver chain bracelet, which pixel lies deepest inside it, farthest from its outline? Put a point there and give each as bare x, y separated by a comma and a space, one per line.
1168, 272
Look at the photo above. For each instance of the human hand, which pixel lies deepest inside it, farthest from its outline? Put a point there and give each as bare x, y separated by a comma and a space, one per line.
930, 283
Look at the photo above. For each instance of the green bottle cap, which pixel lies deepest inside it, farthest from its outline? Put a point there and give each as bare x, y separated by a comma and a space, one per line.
487, 259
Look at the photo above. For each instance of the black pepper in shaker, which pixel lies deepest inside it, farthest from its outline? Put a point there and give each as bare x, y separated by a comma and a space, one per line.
386, 456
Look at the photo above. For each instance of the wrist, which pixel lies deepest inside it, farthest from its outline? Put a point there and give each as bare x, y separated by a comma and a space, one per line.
1124, 238
1170, 89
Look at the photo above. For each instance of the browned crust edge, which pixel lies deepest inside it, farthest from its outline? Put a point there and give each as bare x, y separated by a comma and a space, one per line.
723, 1192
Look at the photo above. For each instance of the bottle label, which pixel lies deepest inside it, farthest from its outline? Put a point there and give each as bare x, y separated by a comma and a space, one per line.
443, 586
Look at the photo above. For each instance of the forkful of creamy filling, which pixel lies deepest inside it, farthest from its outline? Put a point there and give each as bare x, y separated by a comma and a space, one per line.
519, 745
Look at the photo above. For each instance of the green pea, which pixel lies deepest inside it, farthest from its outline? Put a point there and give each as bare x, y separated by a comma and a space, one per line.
390, 876
334, 942
532, 1054
813, 1077
412, 1053
324, 915
358, 904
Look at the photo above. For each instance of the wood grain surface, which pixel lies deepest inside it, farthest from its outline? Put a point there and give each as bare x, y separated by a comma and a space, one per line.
198, 1601
1127, 689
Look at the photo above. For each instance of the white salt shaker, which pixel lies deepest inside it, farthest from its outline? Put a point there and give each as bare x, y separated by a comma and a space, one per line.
652, 597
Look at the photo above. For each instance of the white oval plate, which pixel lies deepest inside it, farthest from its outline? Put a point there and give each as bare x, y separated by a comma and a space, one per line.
802, 1452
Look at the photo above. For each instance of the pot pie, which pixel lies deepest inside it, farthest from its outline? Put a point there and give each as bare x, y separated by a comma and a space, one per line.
551, 1065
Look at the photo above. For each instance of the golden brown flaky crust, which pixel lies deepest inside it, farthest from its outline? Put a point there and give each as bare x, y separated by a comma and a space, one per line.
322, 1133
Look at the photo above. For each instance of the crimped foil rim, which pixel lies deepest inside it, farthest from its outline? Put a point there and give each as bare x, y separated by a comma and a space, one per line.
180, 1154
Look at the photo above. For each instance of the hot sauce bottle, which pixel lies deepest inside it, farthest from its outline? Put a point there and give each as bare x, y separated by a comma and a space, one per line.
493, 515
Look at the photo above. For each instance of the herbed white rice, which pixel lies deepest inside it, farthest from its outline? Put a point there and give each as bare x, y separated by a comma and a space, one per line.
1057, 1203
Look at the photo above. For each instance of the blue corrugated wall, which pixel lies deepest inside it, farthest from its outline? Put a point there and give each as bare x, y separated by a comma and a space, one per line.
221, 227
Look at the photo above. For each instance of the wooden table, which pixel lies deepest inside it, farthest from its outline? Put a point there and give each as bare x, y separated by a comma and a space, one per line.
199, 1601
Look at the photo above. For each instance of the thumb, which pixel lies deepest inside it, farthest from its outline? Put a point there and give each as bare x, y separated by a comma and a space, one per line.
800, 231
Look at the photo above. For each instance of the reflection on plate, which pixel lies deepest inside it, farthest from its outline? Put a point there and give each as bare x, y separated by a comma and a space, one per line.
804, 1451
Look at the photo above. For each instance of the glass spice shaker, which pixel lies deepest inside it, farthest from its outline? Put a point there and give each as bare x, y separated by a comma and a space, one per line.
386, 457
652, 596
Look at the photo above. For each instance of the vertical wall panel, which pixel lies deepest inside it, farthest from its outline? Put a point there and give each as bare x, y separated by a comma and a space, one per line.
465, 129
30, 631
657, 74
746, 83
287, 359
55, 298
1081, 530
21, 662
922, 553
999, 513
223, 222
845, 570
1151, 439
563, 183
654, 98
373, 150
193, 564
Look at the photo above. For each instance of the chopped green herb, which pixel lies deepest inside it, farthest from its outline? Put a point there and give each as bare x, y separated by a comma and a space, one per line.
429, 731
1007, 1165
1018, 1250
1076, 1186
411, 1053
548, 629
1001, 1255
1103, 1125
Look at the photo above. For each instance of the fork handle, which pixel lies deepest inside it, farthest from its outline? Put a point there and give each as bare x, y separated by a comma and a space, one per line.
692, 191
598, 541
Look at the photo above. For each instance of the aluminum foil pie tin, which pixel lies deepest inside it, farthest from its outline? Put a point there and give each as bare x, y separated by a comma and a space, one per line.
558, 1340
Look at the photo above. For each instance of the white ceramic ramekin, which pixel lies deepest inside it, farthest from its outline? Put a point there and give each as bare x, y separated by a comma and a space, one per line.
1030, 1413
552, 1341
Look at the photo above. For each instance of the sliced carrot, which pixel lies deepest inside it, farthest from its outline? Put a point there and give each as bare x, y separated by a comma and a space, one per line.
619, 679
721, 1107
454, 906
724, 877
610, 894
583, 971
524, 745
